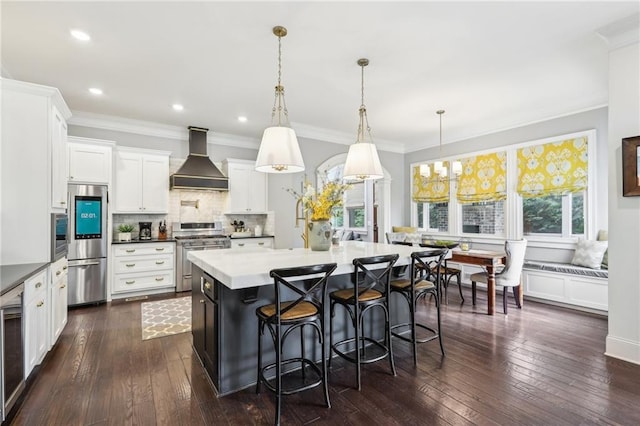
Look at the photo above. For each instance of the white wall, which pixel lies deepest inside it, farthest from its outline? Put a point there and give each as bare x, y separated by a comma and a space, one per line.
623, 340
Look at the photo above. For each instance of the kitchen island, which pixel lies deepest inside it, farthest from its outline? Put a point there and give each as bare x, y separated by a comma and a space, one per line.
228, 286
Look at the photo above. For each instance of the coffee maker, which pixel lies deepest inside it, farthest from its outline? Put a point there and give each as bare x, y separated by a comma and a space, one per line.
145, 230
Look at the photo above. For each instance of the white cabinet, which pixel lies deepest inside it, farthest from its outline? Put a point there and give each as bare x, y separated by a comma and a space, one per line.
89, 160
32, 169
58, 291
266, 242
143, 267
58, 160
247, 188
141, 181
36, 331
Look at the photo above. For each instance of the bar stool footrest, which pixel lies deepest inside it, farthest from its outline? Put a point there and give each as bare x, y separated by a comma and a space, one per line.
374, 346
401, 336
312, 378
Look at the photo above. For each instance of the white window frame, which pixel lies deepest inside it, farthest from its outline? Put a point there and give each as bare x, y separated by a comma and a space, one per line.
513, 208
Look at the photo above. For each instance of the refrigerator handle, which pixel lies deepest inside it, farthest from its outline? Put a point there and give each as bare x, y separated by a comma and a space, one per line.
78, 263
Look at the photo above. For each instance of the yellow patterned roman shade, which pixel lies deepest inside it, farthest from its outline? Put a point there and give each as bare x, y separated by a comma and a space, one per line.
483, 178
555, 168
430, 190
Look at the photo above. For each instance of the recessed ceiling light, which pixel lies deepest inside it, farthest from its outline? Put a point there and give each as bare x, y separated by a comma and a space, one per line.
177, 107
80, 35
242, 119
95, 91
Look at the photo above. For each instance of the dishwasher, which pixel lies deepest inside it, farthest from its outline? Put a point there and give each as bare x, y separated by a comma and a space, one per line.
12, 348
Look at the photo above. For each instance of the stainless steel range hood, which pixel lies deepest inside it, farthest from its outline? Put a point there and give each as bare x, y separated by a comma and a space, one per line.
198, 171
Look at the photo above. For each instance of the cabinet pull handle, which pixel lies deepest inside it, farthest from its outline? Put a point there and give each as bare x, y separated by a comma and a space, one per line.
64, 268
260, 244
58, 273
159, 248
202, 301
130, 250
63, 202
160, 263
207, 285
40, 303
241, 245
38, 284
130, 265
130, 282
160, 279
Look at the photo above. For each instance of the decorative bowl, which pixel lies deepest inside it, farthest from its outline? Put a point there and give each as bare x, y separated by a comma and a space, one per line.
441, 244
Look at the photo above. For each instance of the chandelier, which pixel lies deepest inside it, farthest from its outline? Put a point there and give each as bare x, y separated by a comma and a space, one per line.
439, 169
279, 151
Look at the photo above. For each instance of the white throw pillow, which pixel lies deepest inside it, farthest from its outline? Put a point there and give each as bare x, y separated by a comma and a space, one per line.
396, 236
589, 253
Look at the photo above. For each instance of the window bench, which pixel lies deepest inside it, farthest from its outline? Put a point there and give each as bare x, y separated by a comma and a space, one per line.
567, 284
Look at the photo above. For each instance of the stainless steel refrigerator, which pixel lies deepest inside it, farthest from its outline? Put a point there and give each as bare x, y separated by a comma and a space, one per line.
87, 244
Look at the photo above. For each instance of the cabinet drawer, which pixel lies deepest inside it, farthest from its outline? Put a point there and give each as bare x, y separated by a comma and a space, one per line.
142, 249
127, 264
252, 243
142, 281
57, 271
35, 285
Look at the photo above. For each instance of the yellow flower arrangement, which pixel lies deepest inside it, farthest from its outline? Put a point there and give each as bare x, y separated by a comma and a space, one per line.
319, 205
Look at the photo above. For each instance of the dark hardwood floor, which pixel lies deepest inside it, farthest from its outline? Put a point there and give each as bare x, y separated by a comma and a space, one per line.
542, 365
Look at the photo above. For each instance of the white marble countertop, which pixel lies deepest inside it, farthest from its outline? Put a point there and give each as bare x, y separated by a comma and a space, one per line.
243, 268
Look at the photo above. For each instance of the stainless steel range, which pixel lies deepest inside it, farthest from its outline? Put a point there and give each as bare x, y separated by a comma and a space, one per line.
195, 236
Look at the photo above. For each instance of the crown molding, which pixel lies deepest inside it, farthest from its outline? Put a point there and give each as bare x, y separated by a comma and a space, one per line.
148, 128
621, 33
342, 138
39, 90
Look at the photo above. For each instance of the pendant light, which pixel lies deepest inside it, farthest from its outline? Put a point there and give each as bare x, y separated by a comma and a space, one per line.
362, 160
279, 151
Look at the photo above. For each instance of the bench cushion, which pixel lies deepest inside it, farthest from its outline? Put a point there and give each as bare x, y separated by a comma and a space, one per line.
566, 268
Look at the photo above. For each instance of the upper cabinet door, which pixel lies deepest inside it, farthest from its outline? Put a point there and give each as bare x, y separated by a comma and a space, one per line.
128, 182
89, 163
58, 161
247, 188
155, 184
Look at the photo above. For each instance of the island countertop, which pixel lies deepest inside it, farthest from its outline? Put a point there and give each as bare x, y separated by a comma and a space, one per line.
242, 268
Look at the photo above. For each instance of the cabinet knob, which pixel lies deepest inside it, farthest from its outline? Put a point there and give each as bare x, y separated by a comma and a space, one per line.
70, 177
63, 202
160, 279
241, 245
40, 304
207, 285
38, 284
58, 273
202, 301
64, 268
63, 286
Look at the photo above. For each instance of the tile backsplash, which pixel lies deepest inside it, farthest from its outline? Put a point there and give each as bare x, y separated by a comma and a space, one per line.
194, 206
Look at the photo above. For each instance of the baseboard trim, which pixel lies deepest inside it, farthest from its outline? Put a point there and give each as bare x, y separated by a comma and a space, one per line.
624, 349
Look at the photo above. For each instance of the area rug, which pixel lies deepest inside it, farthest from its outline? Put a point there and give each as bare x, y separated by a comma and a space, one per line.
166, 317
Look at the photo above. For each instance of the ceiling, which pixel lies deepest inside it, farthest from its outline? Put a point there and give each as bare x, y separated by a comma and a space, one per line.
491, 66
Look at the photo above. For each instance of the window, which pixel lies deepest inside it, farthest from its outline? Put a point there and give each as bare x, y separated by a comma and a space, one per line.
485, 217
554, 215
433, 216
352, 214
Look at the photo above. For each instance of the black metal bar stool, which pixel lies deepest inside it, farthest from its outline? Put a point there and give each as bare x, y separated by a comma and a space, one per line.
372, 277
283, 317
424, 279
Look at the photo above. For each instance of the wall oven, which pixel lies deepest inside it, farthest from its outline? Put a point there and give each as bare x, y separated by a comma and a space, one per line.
11, 349
59, 236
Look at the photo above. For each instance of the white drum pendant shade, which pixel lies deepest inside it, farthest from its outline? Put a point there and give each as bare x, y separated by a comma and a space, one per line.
362, 162
279, 151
